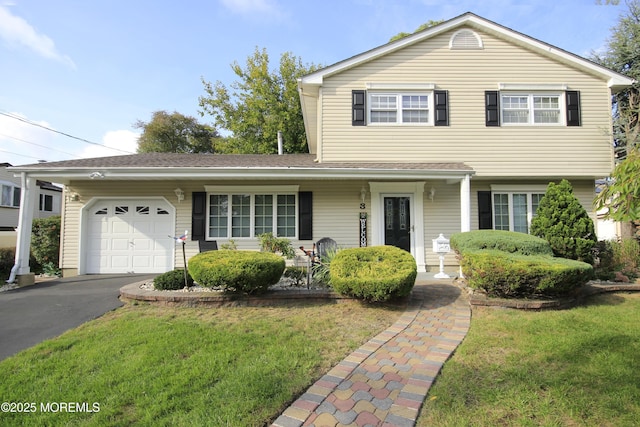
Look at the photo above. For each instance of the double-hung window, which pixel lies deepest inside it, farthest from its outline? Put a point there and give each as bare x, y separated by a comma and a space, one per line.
46, 203
400, 108
10, 196
238, 213
514, 210
532, 108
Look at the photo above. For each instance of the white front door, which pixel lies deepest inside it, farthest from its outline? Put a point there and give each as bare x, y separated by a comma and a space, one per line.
129, 236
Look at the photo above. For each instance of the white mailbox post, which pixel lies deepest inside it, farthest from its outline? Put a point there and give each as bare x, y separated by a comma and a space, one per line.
441, 247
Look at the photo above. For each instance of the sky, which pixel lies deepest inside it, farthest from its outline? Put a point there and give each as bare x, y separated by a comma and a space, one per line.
89, 70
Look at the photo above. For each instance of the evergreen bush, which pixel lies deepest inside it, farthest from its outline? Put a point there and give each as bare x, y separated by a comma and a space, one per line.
506, 241
503, 274
45, 241
240, 271
564, 223
171, 280
375, 273
7, 260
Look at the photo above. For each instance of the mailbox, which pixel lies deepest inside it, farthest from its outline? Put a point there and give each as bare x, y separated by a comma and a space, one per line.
441, 247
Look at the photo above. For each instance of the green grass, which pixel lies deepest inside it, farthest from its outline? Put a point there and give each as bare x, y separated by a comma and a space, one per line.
577, 367
148, 365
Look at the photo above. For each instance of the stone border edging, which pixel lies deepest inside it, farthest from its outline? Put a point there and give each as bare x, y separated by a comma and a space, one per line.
593, 288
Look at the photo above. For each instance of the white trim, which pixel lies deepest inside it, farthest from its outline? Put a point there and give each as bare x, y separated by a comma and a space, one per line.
252, 189
84, 219
562, 109
401, 86
399, 108
416, 191
465, 204
512, 188
533, 86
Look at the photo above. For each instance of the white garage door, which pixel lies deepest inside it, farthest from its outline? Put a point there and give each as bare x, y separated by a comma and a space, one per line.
129, 236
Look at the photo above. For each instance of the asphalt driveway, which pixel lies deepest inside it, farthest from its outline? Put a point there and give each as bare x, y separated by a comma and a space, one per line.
45, 310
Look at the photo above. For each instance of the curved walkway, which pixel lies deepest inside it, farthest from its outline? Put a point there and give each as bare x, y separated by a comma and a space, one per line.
385, 382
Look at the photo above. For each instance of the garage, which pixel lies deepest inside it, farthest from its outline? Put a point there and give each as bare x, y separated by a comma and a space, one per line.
129, 236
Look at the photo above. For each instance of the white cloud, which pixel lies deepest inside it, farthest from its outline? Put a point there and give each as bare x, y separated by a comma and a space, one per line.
122, 142
15, 31
22, 143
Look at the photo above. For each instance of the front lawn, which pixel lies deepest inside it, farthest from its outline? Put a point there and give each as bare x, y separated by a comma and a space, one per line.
576, 367
149, 365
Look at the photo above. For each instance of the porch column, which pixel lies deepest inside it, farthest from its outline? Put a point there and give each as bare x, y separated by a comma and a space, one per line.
465, 203
28, 194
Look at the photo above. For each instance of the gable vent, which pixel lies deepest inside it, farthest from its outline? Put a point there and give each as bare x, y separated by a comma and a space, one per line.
464, 40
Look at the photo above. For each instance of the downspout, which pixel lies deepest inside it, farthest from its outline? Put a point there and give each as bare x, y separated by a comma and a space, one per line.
16, 265
23, 243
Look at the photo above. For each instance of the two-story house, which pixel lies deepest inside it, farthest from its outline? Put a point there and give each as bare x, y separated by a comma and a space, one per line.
49, 204
458, 127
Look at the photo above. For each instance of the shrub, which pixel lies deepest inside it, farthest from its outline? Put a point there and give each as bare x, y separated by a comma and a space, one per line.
240, 271
322, 267
45, 241
297, 275
376, 273
604, 262
504, 274
171, 280
506, 241
7, 260
270, 243
626, 257
564, 223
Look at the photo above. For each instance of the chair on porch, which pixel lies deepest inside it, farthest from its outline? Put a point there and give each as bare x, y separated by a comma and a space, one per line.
325, 246
207, 245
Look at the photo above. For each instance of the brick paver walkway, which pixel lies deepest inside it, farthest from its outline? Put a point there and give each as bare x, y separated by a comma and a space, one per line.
385, 382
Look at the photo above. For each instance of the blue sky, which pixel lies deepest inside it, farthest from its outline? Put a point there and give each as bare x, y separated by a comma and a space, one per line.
91, 69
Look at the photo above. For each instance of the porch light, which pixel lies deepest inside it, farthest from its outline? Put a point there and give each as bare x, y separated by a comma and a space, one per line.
179, 194
363, 194
432, 193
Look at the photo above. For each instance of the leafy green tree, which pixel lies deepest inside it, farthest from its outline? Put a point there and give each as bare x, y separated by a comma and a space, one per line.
175, 133
622, 54
621, 195
428, 24
259, 104
564, 223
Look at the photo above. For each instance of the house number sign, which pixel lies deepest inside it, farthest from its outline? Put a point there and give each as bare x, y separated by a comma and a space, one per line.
363, 229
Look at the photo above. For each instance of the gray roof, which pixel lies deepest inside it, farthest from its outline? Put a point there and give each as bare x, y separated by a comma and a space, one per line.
221, 161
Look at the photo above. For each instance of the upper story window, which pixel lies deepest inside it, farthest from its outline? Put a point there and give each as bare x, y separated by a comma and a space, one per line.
532, 109
400, 108
532, 105
400, 104
10, 196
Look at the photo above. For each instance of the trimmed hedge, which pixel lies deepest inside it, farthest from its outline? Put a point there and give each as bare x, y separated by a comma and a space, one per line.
506, 241
7, 260
513, 275
375, 273
239, 271
171, 280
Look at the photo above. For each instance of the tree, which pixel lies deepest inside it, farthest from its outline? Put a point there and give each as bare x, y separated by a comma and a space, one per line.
259, 104
621, 195
428, 24
175, 133
564, 223
623, 55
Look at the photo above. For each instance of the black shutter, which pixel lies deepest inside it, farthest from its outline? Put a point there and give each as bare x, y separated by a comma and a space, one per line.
573, 108
198, 215
492, 107
441, 101
485, 214
359, 107
305, 215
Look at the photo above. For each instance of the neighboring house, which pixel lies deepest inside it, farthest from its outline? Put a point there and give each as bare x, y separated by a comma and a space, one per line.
49, 203
458, 127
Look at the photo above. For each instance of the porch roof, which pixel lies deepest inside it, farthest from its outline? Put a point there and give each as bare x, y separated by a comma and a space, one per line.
234, 166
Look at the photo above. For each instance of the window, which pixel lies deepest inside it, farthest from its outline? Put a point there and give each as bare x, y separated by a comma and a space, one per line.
46, 202
400, 108
10, 196
531, 109
237, 215
513, 211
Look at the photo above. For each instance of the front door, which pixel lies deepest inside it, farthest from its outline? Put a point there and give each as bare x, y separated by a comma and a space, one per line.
397, 221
